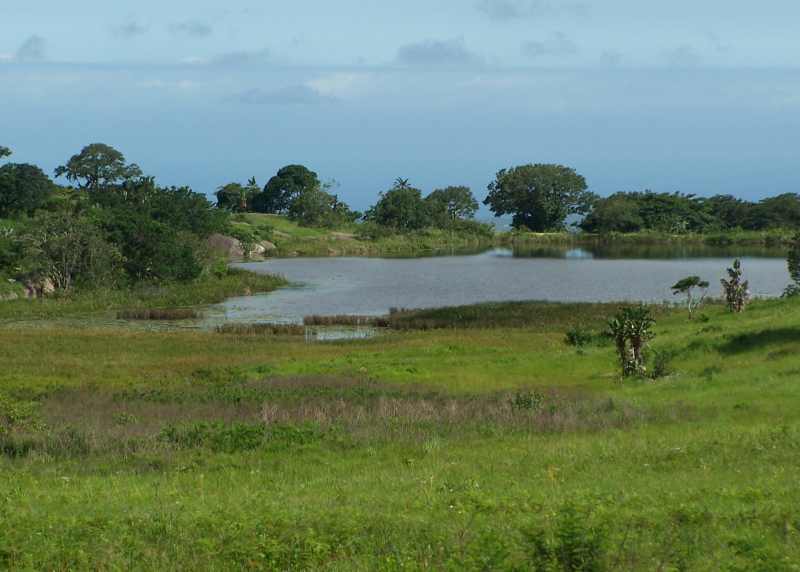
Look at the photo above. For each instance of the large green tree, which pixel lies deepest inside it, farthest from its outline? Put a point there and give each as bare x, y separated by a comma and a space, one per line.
97, 167
4, 152
401, 208
23, 189
540, 197
451, 204
282, 189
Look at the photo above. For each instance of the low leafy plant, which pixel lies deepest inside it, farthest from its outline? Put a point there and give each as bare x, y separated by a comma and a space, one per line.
662, 364
218, 437
579, 336
574, 546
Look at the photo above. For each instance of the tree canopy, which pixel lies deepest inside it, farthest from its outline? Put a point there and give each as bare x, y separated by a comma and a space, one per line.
401, 208
540, 197
681, 213
4, 152
451, 204
98, 166
23, 189
279, 192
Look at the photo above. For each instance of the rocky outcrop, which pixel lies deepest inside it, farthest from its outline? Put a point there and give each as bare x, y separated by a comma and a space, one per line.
233, 249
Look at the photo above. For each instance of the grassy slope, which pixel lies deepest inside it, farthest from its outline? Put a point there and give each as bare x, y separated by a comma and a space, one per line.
707, 482
292, 239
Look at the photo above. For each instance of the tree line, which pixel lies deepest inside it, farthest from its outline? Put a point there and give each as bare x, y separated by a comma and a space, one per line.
298, 193
538, 197
115, 225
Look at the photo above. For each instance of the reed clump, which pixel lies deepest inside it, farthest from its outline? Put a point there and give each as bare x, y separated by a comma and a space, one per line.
347, 320
262, 329
159, 314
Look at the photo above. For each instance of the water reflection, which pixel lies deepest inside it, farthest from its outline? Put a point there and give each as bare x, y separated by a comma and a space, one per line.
656, 251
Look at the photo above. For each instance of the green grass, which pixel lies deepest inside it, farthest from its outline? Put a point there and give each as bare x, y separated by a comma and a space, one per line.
450, 449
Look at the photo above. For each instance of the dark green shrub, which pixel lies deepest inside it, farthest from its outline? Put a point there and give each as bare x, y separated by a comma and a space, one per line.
579, 336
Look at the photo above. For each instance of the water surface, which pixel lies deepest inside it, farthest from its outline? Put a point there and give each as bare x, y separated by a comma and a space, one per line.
371, 286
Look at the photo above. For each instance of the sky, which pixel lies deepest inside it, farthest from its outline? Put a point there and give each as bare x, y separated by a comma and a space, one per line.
683, 96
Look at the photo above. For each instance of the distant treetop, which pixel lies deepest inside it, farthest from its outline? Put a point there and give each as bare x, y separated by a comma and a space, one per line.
98, 166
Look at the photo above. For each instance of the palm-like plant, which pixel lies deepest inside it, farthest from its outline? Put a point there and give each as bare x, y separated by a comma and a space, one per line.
632, 329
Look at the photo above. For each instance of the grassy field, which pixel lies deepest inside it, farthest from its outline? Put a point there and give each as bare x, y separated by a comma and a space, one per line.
461, 448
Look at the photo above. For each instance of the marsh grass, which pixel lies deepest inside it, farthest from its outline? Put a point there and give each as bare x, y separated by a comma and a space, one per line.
541, 316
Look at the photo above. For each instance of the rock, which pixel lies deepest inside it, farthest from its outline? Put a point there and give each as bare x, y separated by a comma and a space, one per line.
226, 245
268, 246
39, 288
